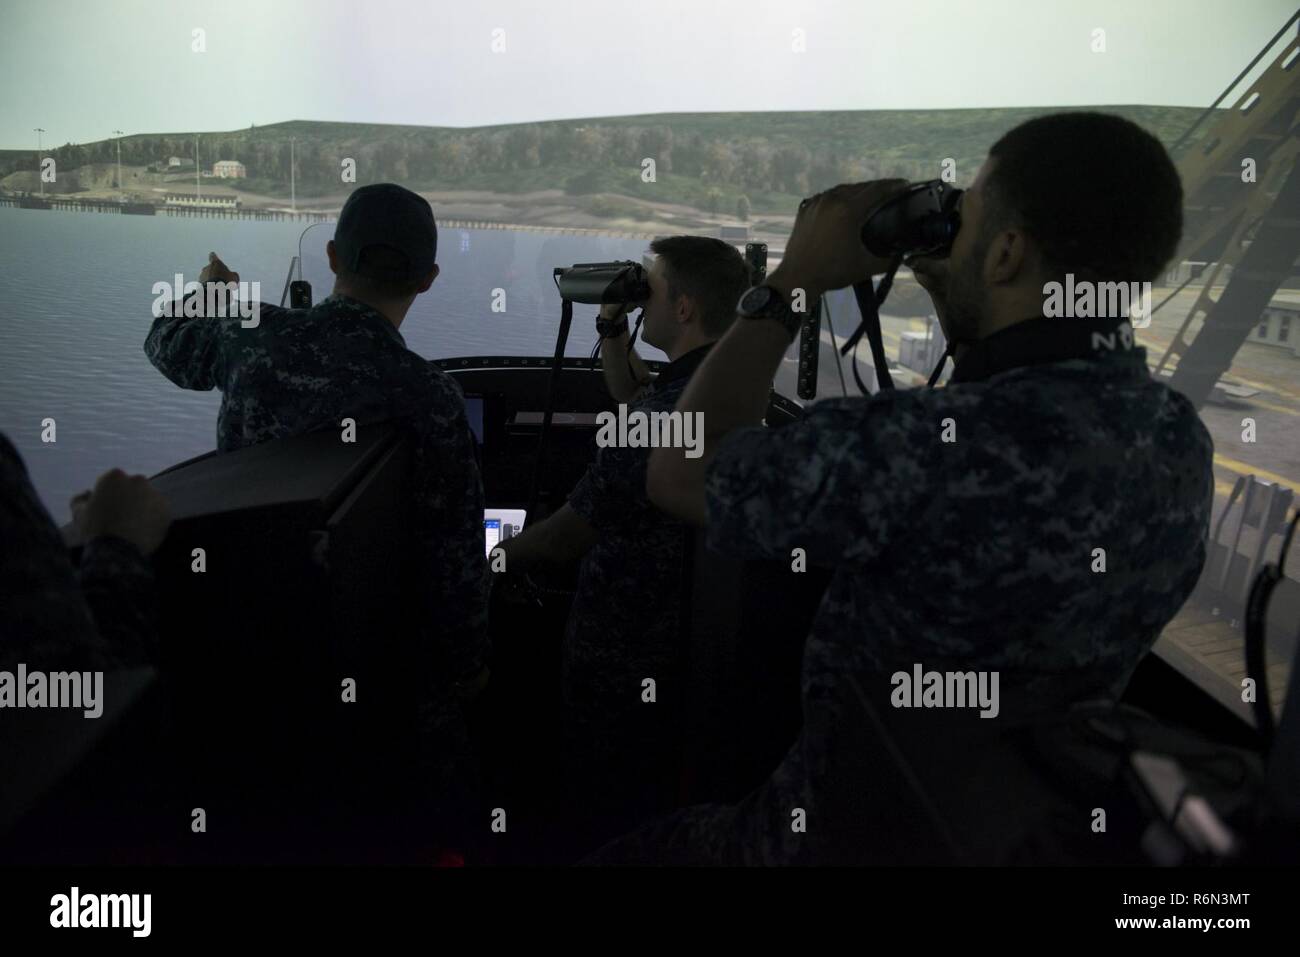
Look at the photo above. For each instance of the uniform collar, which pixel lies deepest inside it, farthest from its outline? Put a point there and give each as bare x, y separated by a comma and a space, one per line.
1042, 340
367, 313
684, 365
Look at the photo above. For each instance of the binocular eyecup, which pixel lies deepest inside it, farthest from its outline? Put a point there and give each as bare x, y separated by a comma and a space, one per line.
922, 221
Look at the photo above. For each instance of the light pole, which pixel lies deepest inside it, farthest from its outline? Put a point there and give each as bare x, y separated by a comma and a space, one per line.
119, 164
39, 177
293, 184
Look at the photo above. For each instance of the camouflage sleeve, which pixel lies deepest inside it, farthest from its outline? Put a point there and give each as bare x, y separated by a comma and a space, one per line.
449, 493
187, 350
836, 483
118, 584
46, 622
609, 486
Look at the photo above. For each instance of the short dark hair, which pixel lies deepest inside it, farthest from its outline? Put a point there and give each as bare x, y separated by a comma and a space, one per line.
1098, 193
707, 270
375, 271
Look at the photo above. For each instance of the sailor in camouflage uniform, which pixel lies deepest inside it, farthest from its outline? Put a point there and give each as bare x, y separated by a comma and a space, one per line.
625, 627
301, 370
99, 615
1042, 517
625, 624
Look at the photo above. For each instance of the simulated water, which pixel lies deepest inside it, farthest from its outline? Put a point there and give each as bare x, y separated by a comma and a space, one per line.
75, 307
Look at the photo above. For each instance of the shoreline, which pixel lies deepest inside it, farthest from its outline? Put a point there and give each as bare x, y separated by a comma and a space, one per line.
620, 228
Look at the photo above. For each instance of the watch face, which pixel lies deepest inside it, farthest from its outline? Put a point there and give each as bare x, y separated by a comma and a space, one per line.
756, 300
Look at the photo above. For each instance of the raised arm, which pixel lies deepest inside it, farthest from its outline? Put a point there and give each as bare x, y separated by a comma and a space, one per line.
625, 373
187, 349
731, 386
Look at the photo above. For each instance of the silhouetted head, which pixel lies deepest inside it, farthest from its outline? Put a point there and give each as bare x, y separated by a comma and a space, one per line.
384, 248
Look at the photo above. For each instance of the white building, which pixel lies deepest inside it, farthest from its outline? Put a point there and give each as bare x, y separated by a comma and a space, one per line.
229, 169
1279, 323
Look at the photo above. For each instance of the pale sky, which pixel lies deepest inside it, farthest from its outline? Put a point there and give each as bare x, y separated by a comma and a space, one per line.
82, 68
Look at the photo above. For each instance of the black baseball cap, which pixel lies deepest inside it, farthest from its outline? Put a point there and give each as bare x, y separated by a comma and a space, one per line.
385, 214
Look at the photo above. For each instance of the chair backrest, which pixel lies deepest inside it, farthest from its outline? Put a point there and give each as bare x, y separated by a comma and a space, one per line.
1057, 785
747, 622
306, 584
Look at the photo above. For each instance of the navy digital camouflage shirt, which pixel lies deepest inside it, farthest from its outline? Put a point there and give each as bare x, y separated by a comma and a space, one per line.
300, 370
968, 528
625, 623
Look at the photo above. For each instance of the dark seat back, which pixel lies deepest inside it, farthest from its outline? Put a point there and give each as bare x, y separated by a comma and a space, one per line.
747, 624
307, 584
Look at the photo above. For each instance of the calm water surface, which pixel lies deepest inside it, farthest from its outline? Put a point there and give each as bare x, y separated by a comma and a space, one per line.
75, 306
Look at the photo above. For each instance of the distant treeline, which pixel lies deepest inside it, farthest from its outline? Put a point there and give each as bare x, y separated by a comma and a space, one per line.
708, 160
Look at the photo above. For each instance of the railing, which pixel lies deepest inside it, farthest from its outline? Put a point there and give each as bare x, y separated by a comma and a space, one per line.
314, 216
67, 204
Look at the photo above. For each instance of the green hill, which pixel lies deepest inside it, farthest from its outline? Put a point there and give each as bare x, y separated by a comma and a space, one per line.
707, 161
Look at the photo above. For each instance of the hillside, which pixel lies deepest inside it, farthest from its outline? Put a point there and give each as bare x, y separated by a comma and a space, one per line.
722, 165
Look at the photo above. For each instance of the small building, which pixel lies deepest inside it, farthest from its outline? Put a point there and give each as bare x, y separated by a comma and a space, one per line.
1279, 323
174, 161
229, 169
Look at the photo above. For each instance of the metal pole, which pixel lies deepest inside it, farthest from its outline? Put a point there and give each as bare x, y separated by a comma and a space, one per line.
119, 162
198, 189
39, 172
293, 186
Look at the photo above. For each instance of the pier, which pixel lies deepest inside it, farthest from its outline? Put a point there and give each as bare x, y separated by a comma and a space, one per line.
66, 204
535, 228
115, 207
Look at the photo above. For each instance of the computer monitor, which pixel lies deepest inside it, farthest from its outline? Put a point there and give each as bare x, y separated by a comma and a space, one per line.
474, 413
500, 524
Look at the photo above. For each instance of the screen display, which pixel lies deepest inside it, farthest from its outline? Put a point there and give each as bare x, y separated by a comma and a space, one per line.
474, 412
500, 524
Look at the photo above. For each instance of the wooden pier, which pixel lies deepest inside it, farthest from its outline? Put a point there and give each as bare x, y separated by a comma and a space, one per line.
114, 207
110, 206
556, 230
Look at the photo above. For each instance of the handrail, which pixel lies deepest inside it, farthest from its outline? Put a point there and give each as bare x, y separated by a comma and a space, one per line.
288, 280
1233, 85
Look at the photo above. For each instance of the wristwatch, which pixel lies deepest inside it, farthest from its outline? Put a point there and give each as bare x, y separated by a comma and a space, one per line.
611, 328
765, 302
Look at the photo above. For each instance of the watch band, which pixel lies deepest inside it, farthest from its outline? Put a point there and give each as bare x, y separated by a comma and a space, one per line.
772, 305
611, 328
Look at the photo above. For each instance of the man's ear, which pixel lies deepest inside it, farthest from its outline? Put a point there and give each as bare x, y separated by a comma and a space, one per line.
1007, 258
683, 309
333, 257
428, 280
